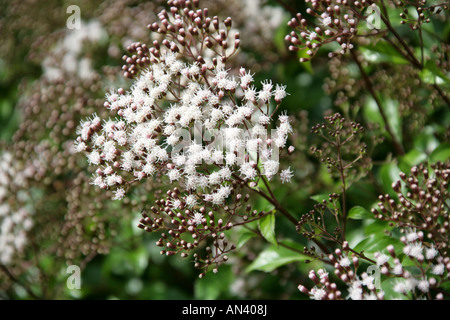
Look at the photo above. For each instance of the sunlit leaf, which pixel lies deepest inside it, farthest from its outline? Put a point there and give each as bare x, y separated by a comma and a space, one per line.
267, 227
275, 257
359, 213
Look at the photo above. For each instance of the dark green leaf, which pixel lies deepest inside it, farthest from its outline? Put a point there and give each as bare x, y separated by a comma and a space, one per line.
267, 227
275, 257
244, 236
213, 286
359, 213
441, 153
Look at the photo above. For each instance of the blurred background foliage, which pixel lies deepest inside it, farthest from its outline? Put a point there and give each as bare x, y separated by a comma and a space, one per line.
129, 266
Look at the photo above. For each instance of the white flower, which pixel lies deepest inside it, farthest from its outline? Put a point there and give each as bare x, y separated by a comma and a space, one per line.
94, 158
412, 236
381, 258
423, 285
322, 274
326, 19
271, 168
438, 269
248, 171
367, 280
286, 175
280, 92
119, 194
318, 293
191, 201
398, 269
246, 79
264, 119
414, 250
174, 175
250, 94
197, 219
400, 287
264, 95
230, 158
312, 36
430, 253
355, 291
344, 262
149, 169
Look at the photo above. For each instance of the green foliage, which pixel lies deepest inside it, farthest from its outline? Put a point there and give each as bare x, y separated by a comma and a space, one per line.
276, 256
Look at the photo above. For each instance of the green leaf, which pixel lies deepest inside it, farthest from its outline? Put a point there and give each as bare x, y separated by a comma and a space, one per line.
275, 257
359, 213
376, 243
383, 52
261, 204
267, 227
389, 173
412, 158
244, 236
307, 65
377, 227
441, 153
213, 286
433, 73
395, 120
390, 108
320, 197
426, 141
388, 288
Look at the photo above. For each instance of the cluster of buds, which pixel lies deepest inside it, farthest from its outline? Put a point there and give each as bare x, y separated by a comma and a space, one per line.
314, 224
189, 226
422, 14
338, 22
187, 30
422, 203
342, 147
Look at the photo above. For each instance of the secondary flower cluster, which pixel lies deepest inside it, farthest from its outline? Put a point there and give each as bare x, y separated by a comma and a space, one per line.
422, 203
15, 217
187, 225
413, 274
422, 12
342, 146
338, 23
359, 287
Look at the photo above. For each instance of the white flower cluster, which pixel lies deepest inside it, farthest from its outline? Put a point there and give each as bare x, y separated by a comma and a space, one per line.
415, 250
434, 269
165, 123
70, 48
15, 221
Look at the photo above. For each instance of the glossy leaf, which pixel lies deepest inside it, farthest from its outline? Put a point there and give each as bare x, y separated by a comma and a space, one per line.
275, 257
267, 227
359, 213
